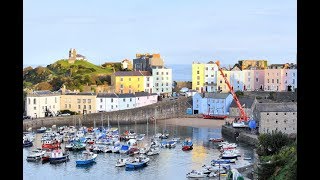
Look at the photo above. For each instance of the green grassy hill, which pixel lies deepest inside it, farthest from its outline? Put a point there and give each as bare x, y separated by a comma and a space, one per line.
74, 76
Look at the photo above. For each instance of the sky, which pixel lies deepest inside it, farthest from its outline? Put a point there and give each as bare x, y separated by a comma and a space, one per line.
182, 31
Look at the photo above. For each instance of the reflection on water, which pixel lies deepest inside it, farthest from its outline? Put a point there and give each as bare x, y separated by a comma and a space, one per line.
170, 164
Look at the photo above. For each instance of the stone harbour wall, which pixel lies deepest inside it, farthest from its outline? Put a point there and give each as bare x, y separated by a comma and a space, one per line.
160, 110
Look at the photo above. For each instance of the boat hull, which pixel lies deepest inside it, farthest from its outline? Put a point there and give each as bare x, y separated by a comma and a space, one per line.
85, 162
206, 116
59, 159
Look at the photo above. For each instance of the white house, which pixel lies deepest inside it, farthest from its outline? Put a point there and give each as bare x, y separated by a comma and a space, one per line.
107, 102
127, 101
162, 81
144, 99
237, 79
42, 104
212, 103
210, 77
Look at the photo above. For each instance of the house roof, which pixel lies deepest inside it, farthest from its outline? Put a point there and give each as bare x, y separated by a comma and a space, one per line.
154, 94
132, 73
111, 95
80, 93
127, 95
139, 94
44, 93
247, 101
214, 95
277, 107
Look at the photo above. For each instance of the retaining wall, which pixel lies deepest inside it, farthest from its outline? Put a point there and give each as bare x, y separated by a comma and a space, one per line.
244, 137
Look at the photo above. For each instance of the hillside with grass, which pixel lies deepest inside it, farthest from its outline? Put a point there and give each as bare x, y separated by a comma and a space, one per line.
74, 76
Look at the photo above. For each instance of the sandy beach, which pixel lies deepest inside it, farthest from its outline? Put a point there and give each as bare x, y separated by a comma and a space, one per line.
193, 122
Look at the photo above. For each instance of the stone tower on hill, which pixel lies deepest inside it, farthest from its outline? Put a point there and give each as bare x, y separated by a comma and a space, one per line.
72, 56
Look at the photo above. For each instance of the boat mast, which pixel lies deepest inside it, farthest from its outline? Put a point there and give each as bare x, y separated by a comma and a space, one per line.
108, 122
147, 126
101, 121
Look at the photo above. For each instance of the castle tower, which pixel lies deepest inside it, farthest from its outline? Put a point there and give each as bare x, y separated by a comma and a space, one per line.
72, 55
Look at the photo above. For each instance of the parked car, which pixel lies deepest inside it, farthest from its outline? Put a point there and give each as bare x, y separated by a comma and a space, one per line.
26, 117
64, 114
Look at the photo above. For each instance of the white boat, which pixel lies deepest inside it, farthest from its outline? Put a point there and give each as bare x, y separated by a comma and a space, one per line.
145, 149
177, 139
142, 158
153, 151
140, 137
239, 124
122, 162
116, 149
35, 155
196, 174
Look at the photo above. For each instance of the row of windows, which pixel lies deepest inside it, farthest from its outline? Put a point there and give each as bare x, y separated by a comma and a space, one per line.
88, 112
283, 113
285, 121
84, 107
157, 89
167, 78
117, 106
83, 100
44, 107
167, 73
121, 86
46, 100
157, 84
264, 129
293, 74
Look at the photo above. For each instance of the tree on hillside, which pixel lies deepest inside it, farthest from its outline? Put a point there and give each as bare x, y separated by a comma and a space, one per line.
270, 144
44, 86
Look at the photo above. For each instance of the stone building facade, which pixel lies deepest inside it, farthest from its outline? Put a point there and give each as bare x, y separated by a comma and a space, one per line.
248, 104
276, 117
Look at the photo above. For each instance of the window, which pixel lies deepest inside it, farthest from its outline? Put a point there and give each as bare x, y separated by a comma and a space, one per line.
148, 85
220, 81
100, 106
84, 106
268, 81
293, 113
54, 106
129, 86
157, 84
272, 80
285, 82
198, 83
138, 79
121, 85
277, 81
206, 68
249, 79
89, 112
268, 87
111, 99
277, 122
55, 99
121, 79
167, 84
277, 74
212, 75
130, 99
111, 106
148, 78
257, 79
46, 100
127, 105
157, 73
268, 74
78, 112
276, 113
198, 77
294, 74
79, 100
292, 81
276, 129
28, 100
162, 78
79, 107
285, 128
161, 73
69, 106
167, 78
157, 78
285, 121
84, 100
267, 113
42, 107
167, 73
285, 113
198, 72
34, 101
129, 79
248, 73
124, 100
226, 75
101, 100
238, 82
206, 75
89, 100
65, 106
34, 108
138, 98
89, 106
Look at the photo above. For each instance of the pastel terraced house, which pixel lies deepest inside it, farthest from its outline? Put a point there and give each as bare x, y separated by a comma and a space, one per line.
129, 81
80, 102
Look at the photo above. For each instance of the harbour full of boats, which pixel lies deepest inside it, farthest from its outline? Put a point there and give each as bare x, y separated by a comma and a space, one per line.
135, 151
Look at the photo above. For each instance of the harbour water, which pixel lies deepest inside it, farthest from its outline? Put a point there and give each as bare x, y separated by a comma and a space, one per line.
169, 164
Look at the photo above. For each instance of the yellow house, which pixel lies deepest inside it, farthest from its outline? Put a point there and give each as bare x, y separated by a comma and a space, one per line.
129, 81
198, 76
221, 83
79, 102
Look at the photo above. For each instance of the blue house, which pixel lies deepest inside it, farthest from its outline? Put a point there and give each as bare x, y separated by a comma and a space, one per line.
212, 103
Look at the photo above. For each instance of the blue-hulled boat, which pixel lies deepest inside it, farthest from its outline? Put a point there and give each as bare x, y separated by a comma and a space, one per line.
27, 143
87, 158
221, 161
137, 163
124, 149
57, 156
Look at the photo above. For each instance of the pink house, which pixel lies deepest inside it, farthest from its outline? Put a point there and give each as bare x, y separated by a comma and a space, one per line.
145, 98
259, 79
273, 80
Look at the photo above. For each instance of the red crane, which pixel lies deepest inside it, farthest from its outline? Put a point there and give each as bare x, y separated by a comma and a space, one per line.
243, 115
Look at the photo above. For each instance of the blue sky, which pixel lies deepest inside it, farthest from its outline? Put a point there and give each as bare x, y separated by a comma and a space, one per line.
182, 31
